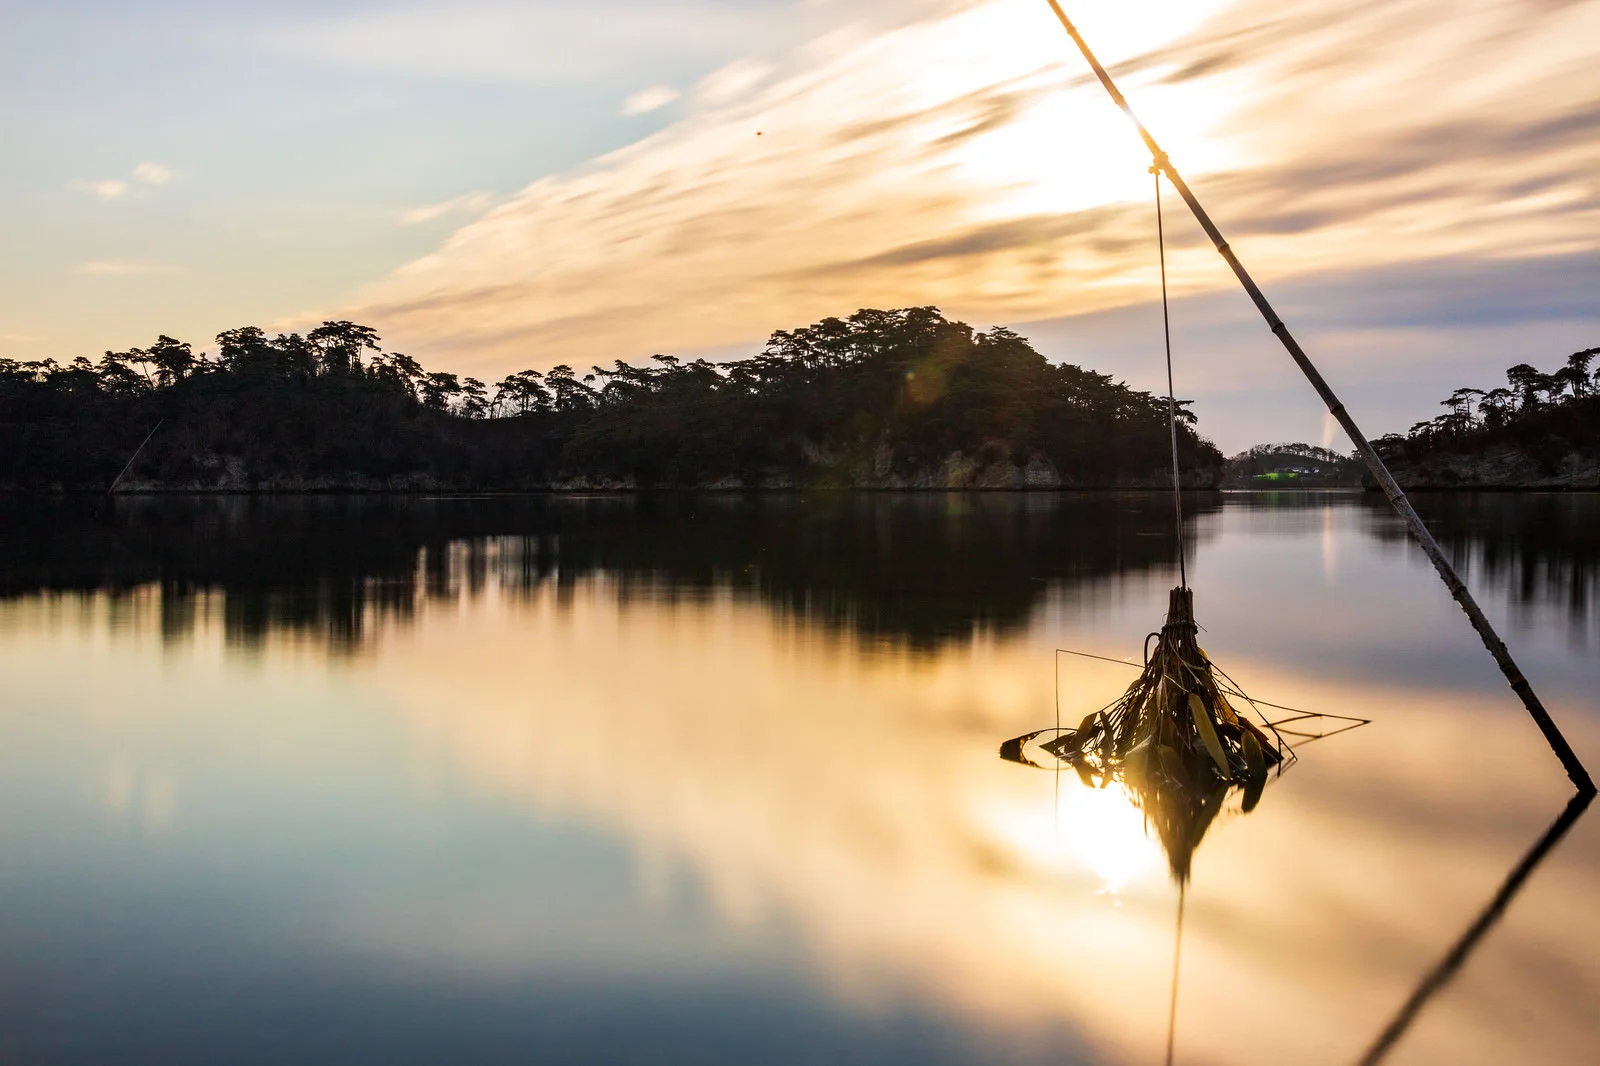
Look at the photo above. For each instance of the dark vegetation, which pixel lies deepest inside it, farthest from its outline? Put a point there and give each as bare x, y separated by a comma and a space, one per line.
883, 398
1538, 429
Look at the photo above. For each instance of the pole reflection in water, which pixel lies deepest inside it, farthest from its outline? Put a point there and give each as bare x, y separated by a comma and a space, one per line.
1462, 949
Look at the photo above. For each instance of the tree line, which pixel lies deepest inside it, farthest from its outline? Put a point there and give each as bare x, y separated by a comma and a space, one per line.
879, 393
1527, 393
1550, 414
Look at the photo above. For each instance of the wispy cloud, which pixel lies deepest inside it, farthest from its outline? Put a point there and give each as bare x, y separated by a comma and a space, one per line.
465, 204
122, 268
142, 177
152, 173
967, 161
727, 84
106, 189
647, 100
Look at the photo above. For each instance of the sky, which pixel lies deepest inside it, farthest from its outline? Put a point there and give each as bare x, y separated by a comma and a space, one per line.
496, 185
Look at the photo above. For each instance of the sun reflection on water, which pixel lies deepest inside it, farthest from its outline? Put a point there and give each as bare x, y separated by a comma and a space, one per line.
1107, 830
1098, 830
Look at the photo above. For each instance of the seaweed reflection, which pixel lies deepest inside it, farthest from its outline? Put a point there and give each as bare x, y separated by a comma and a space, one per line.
1179, 742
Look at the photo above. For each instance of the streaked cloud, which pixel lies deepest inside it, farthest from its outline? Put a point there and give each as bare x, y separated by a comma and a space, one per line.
967, 161
466, 203
647, 100
122, 268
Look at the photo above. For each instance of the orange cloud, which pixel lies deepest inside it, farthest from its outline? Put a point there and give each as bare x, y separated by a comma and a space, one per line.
967, 162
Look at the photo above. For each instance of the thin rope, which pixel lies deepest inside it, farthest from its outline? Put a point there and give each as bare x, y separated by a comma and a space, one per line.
1172, 403
1057, 658
1058, 688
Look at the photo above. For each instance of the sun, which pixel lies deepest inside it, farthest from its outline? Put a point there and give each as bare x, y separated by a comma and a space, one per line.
1058, 143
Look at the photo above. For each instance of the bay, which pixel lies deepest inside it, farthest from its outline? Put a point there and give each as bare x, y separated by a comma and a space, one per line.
713, 779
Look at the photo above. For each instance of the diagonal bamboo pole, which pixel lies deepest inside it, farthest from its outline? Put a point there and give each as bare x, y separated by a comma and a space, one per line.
1430, 547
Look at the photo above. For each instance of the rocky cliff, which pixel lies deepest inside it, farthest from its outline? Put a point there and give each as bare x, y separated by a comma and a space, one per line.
1503, 466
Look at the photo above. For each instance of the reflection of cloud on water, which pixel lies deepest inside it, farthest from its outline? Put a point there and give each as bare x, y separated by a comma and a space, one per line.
796, 775
801, 777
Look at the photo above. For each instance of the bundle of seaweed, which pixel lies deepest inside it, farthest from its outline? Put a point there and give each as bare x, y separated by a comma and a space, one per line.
1175, 740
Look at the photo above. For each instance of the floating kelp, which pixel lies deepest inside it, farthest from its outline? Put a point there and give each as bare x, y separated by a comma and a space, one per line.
1179, 740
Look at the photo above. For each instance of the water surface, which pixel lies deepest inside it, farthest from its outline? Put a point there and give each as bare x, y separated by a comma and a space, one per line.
713, 780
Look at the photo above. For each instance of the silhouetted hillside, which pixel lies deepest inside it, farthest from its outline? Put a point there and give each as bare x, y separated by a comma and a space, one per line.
883, 399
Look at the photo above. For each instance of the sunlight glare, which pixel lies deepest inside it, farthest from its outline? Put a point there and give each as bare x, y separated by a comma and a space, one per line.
1070, 149
1097, 829
1108, 833
1003, 106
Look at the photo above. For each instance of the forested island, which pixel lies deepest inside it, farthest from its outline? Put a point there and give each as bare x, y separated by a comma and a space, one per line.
1539, 430
1296, 465
882, 399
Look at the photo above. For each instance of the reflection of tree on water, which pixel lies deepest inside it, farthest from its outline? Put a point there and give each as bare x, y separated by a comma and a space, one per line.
917, 567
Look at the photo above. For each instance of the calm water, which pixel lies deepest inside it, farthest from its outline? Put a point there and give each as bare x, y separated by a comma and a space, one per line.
713, 780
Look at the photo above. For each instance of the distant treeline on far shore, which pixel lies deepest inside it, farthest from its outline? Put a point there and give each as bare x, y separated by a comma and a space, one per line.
902, 398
